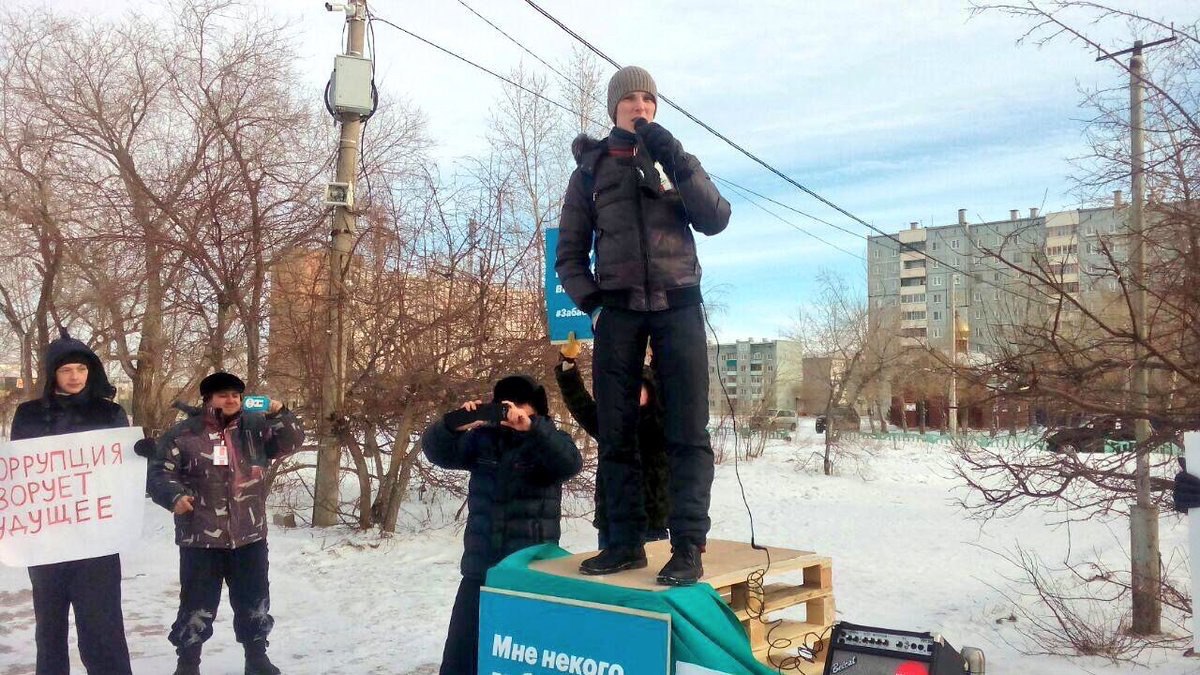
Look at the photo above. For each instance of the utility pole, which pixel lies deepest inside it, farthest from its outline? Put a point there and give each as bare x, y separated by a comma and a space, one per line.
329, 453
1143, 523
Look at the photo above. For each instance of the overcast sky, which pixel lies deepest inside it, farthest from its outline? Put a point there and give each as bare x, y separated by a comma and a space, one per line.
896, 111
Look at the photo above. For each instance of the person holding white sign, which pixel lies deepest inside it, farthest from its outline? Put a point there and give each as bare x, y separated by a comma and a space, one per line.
76, 397
209, 470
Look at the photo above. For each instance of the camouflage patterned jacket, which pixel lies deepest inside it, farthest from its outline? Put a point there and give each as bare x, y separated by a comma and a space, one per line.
229, 510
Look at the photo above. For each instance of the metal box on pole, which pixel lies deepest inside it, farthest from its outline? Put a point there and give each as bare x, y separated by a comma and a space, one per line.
350, 91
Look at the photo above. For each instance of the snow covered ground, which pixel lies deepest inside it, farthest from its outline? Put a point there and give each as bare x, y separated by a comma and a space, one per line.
904, 556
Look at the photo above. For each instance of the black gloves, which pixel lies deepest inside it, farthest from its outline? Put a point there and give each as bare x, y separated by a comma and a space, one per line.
1187, 489
661, 145
145, 448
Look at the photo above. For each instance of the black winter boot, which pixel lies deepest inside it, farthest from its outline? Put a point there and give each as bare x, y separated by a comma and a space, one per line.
187, 669
257, 662
684, 568
615, 559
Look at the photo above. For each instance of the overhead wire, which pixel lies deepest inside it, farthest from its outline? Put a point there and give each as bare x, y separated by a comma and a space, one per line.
743, 191
902, 246
755, 158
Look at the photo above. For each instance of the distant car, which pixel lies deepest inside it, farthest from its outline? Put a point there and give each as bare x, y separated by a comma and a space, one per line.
774, 420
844, 419
1093, 436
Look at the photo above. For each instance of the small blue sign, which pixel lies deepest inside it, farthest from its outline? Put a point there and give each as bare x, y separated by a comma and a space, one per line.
256, 404
563, 317
528, 634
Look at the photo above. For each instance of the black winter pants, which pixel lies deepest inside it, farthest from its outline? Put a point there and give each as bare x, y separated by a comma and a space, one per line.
460, 656
93, 586
681, 360
201, 573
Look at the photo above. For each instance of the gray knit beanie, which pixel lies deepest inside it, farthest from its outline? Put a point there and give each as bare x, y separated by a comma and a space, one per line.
626, 80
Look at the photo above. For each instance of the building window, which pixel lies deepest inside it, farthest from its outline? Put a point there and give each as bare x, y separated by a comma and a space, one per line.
935, 264
913, 316
913, 281
895, 252
957, 279
914, 264
954, 244
934, 245
876, 254
937, 316
937, 281
935, 332
937, 297
1066, 249
912, 297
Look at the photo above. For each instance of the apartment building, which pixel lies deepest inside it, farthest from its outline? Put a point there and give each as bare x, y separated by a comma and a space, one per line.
755, 375
925, 277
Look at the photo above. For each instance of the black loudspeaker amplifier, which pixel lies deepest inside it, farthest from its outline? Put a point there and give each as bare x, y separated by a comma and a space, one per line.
863, 650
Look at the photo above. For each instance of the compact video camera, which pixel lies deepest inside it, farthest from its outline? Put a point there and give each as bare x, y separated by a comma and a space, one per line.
489, 413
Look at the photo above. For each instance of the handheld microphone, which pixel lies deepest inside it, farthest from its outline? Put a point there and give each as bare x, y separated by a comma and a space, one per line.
640, 122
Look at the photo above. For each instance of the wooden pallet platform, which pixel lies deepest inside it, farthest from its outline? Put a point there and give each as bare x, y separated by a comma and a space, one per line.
728, 567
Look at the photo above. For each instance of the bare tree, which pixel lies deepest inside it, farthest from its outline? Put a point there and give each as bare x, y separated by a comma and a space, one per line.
1071, 339
858, 343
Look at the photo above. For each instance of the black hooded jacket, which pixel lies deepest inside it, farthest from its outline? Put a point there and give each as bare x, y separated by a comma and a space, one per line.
53, 413
651, 438
642, 233
514, 497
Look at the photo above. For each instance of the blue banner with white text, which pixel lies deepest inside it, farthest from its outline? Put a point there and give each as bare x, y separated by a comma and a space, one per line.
530, 634
563, 317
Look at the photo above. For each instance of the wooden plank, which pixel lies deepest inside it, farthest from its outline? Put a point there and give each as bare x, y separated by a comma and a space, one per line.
726, 563
821, 576
799, 633
782, 596
819, 610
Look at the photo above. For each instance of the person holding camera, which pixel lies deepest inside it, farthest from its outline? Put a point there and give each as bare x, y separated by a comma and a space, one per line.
635, 198
76, 397
518, 462
209, 470
651, 440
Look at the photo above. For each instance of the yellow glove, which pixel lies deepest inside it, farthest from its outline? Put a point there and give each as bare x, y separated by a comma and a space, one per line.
571, 350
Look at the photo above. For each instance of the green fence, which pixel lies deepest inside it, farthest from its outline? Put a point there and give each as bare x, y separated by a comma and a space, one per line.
1015, 442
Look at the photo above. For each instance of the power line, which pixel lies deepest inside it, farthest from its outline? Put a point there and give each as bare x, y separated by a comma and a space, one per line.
473, 64
744, 189
741, 189
738, 188
531, 53
764, 164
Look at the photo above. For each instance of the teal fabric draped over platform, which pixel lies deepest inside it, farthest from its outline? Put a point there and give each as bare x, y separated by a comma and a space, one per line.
704, 630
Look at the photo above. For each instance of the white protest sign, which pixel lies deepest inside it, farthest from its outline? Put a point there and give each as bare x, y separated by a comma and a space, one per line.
1191, 452
70, 497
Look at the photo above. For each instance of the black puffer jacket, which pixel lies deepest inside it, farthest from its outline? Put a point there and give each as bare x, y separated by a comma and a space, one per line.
55, 414
514, 497
645, 254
